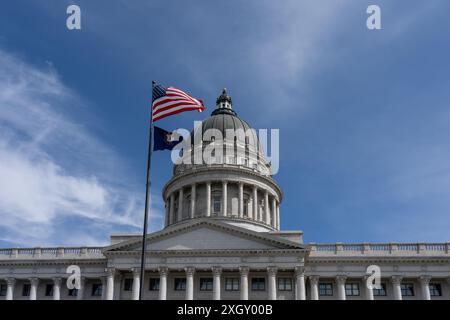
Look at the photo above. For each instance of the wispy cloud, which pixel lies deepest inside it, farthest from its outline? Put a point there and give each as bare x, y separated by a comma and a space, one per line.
52, 169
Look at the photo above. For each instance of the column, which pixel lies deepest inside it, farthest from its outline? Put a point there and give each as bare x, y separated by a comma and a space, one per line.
163, 273
241, 200
190, 283
425, 287
274, 212
80, 293
368, 288
193, 197
255, 203
167, 213
300, 283
266, 207
136, 283
396, 284
272, 276
172, 209
180, 204
244, 282
224, 198
208, 199
33, 290
314, 284
340, 282
56, 288
217, 272
109, 295
10, 283
278, 216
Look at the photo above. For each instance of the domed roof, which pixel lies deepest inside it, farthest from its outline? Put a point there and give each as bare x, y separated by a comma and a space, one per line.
224, 118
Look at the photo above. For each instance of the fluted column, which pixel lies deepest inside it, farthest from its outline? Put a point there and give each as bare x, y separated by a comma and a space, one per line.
80, 292
136, 283
396, 283
57, 288
110, 283
278, 216
300, 283
340, 282
274, 212
172, 209
10, 284
167, 213
244, 282
217, 272
193, 197
241, 200
190, 283
180, 204
272, 275
255, 203
314, 283
163, 273
266, 207
103, 279
368, 288
224, 198
208, 199
425, 287
33, 289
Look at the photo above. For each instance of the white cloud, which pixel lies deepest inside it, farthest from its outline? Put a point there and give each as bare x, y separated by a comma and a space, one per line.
52, 168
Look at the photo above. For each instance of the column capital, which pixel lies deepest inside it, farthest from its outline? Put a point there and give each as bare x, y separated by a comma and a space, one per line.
224, 182
244, 270
110, 272
217, 271
272, 271
189, 271
163, 271
57, 281
424, 279
313, 279
340, 279
299, 271
396, 279
34, 281
10, 281
136, 271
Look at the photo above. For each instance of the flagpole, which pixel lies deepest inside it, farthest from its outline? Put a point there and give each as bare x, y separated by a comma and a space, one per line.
147, 198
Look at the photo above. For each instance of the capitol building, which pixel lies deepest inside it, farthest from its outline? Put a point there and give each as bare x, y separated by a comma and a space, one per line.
222, 240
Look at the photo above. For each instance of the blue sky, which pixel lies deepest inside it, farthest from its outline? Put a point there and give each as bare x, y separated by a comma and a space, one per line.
363, 115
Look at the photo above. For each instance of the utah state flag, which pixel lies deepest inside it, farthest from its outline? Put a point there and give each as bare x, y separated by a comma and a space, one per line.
165, 140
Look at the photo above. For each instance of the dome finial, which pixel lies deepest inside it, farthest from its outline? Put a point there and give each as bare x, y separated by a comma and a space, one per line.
224, 100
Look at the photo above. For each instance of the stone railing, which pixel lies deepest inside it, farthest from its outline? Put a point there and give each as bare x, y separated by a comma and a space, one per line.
379, 249
51, 253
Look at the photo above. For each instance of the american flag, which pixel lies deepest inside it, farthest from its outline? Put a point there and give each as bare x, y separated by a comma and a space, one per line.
170, 101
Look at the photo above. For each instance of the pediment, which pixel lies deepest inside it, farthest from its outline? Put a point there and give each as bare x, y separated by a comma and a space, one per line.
206, 235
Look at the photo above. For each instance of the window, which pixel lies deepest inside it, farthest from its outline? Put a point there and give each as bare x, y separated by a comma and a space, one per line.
435, 290
97, 289
325, 289
206, 284
284, 284
180, 284
352, 289
246, 202
407, 289
2, 290
231, 284
154, 284
216, 204
26, 290
380, 292
258, 284
128, 284
48, 290
73, 292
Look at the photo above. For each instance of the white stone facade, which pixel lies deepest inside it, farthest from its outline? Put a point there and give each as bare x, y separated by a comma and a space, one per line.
222, 240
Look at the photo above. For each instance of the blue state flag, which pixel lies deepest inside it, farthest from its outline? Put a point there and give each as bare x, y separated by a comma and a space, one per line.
165, 140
